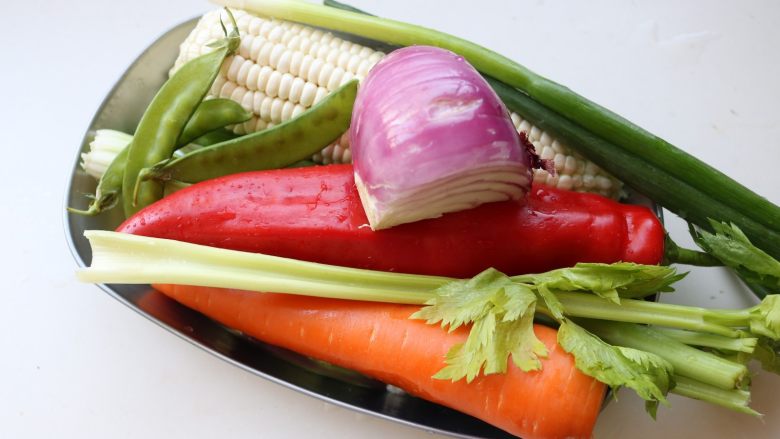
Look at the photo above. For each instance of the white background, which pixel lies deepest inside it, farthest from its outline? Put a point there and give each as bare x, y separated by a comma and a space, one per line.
76, 363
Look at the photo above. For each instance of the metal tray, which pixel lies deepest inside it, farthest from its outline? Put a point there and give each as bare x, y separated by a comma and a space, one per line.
121, 110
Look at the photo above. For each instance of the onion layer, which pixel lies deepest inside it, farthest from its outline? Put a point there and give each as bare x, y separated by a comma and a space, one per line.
430, 136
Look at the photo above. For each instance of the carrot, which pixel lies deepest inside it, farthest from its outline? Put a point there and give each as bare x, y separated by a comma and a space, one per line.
380, 341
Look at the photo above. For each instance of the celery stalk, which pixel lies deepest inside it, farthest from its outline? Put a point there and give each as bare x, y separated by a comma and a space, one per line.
734, 399
687, 361
718, 322
131, 259
125, 258
490, 296
692, 338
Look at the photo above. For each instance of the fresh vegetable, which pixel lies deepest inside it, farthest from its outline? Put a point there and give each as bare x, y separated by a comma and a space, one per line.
280, 146
673, 178
498, 308
108, 154
283, 68
315, 214
214, 137
212, 115
103, 148
380, 341
163, 122
280, 69
724, 374
730, 246
720, 342
430, 137
611, 335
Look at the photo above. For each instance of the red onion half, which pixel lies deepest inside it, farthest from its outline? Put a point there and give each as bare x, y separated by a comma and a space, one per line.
430, 136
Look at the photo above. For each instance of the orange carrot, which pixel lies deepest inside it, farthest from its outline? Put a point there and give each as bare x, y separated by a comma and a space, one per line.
380, 341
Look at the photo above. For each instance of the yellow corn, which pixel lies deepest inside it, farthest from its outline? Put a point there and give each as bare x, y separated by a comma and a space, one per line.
283, 68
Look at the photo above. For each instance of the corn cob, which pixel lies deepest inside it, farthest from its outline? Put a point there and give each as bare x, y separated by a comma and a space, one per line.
283, 68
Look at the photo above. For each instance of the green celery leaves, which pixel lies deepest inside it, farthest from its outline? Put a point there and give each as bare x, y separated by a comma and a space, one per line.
765, 318
502, 315
648, 374
501, 311
729, 245
608, 281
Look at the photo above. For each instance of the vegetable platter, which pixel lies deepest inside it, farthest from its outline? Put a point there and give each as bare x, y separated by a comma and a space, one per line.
651, 360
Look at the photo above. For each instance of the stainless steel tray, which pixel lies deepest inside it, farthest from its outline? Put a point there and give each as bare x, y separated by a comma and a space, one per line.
122, 109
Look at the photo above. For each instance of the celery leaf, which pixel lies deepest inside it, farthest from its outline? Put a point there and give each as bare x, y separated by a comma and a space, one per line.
647, 374
608, 281
501, 313
730, 245
765, 318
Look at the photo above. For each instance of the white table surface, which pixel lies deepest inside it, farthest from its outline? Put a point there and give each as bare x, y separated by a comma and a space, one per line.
77, 363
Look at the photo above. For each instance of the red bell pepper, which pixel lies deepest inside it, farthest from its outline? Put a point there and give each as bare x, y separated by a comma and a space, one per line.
315, 214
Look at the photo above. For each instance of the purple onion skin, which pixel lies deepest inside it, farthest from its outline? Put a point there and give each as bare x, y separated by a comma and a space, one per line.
424, 114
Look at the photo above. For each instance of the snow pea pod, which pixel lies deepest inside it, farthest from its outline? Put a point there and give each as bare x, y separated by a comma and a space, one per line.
210, 116
277, 147
164, 120
215, 136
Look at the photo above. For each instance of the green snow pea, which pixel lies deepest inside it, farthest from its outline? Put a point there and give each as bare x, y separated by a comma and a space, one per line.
284, 144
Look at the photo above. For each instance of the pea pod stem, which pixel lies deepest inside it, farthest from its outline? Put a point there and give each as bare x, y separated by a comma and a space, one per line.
109, 187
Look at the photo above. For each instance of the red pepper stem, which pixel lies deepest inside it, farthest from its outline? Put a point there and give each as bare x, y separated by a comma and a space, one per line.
674, 254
